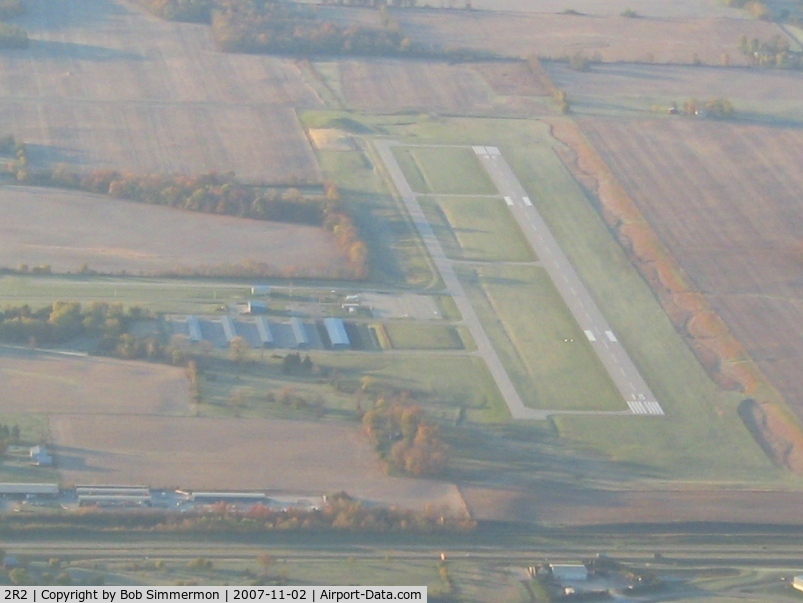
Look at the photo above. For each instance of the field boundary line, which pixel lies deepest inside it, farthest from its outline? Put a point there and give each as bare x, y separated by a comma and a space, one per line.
22, 348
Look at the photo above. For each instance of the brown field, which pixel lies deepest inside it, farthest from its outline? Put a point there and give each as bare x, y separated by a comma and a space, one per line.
388, 86
607, 87
104, 85
511, 78
613, 38
724, 199
393, 85
213, 453
647, 8
562, 504
67, 229
56, 384
114, 422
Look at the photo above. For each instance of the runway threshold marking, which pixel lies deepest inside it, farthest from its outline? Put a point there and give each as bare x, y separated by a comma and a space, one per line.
527, 201
611, 336
508, 200
590, 335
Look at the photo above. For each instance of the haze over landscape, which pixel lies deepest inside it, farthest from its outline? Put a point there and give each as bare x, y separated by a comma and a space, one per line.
400, 292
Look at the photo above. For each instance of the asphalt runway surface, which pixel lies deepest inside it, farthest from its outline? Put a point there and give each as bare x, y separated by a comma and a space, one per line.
624, 374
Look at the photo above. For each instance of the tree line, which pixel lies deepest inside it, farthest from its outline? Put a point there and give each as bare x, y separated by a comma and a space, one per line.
12, 36
190, 11
340, 512
207, 193
259, 26
9, 436
107, 325
773, 53
275, 27
11, 8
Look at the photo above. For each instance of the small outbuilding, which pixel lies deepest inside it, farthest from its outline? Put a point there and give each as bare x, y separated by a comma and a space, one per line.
570, 572
41, 457
256, 307
336, 330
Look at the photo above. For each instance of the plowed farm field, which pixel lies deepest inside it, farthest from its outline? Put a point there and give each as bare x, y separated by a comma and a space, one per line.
388, 86
752, 91
105, 85
121, 422
646, 8
613, 38
301, 457
66, 229
725, 200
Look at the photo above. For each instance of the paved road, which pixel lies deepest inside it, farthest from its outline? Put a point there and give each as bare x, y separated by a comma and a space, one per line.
514, 402
614, 357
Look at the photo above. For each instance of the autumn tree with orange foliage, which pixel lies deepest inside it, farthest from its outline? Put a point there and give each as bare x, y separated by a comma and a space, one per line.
402, 436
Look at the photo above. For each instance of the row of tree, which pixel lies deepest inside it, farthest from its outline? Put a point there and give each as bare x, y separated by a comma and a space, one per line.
12, 36
773, 53
340, 512
405, 440
11, 8
256, 26
209, 193
756, 8
191, 11
718, 108
272, 27
60, 322
9, 435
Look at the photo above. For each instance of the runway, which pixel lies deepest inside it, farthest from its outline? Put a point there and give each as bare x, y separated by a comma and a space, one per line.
624, 374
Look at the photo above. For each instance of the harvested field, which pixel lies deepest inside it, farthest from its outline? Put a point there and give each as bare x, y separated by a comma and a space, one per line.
104, 85
55, 384
613, 38
610, 87
724, 198
114, 422
221, 454
67, 229
554, 504
388, 85
646, 8
511, 78
488, 88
